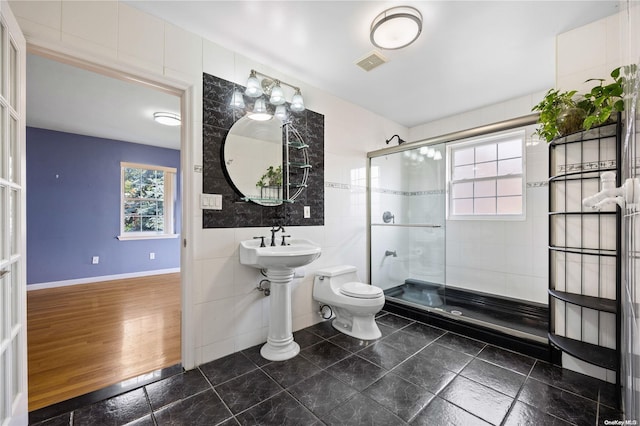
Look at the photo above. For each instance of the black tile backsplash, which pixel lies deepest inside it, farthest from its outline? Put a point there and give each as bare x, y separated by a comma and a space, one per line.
218, 117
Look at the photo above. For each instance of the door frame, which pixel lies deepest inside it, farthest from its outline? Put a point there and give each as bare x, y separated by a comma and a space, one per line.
186, 91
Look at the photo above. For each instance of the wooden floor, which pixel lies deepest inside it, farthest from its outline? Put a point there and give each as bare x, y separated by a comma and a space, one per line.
83, 338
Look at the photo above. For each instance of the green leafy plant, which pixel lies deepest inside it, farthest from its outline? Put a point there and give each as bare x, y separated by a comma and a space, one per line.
564, 112
553, 108
273, 177
607, 99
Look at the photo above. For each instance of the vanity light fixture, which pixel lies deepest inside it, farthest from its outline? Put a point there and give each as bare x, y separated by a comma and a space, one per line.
396, 27
167, 118
272, 87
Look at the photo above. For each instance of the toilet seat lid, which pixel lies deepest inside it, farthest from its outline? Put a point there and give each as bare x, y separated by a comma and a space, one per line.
360, 290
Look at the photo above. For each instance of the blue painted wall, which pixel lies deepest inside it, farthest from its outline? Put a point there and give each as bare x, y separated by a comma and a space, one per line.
73, 208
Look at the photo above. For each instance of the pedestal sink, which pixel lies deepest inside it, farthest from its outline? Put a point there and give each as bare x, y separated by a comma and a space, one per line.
279, 263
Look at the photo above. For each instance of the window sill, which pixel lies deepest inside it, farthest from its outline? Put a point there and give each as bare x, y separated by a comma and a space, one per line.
146, 237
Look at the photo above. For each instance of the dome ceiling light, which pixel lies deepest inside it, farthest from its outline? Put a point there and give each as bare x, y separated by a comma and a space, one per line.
396, 27
167, 118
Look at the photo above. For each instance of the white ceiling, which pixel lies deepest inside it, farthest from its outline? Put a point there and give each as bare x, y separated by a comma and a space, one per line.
470, 54
69, 99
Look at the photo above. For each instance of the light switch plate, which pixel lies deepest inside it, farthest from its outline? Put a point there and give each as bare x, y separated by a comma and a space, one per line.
211, 201
307, 212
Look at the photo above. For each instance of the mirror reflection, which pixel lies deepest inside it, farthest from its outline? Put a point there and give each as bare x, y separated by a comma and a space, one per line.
253, 157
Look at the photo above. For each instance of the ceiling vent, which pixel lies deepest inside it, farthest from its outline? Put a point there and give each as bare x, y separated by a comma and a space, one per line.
371, 61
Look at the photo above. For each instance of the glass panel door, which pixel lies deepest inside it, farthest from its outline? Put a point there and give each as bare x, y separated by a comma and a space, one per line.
13, 345
408, 223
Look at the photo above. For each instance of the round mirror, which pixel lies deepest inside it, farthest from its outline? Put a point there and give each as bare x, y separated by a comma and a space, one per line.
252, 154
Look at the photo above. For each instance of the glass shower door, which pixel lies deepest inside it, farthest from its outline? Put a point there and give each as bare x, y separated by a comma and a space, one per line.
407, 191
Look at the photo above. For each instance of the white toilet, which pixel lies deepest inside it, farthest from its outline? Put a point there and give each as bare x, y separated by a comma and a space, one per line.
354, 303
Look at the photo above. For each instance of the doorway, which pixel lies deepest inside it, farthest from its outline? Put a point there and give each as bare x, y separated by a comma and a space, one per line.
81, 126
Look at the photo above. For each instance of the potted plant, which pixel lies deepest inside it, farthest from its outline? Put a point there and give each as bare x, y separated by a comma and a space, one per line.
560, 114
564, 112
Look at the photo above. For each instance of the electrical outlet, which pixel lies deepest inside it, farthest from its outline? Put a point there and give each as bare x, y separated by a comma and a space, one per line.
95, 260
152, 256
307, 212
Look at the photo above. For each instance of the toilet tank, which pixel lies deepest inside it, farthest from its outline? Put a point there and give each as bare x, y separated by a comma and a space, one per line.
338, 275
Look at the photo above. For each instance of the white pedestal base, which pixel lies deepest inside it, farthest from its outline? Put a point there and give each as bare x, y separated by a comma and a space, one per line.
280, 345
274, 353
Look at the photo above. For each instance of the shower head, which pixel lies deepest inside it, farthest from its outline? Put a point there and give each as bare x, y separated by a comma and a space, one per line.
400, 140
390, 253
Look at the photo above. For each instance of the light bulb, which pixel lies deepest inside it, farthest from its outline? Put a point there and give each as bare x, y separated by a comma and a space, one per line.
237, 101
277, 95
260, 112
297, 103
281, 112
253, 86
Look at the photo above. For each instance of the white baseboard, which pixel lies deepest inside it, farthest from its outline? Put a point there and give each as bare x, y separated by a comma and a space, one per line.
89, 280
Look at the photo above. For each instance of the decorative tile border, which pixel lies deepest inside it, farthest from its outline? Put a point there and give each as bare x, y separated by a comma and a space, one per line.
337, 185
587, 167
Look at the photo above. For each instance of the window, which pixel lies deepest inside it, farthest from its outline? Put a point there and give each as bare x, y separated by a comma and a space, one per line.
486, 177
147, 201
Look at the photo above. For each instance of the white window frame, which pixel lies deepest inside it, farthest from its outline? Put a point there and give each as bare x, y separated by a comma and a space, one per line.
492, 139
169, 203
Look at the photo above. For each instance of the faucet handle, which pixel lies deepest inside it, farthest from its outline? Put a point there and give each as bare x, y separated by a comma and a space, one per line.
261, 241
283, 241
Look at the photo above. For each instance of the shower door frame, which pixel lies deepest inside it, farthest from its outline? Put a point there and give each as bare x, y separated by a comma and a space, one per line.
445, 139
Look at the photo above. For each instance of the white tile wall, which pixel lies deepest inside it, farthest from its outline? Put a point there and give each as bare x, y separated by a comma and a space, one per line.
229, 314
140, 38
91, 26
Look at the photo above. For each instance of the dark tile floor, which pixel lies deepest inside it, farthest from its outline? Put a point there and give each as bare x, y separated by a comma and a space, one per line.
414, 374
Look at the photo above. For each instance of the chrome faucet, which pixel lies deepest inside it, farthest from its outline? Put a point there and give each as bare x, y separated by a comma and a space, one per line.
273, 234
